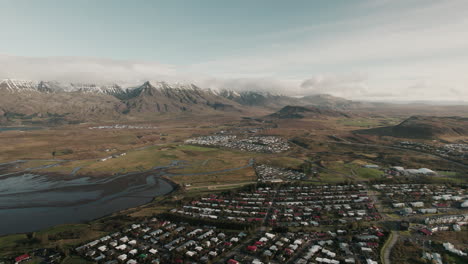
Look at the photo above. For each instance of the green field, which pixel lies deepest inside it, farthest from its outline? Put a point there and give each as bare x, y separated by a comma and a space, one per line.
368, 122
339, 171
195, 159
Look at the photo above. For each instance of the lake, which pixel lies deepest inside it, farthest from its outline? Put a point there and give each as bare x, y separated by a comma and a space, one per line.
31, 202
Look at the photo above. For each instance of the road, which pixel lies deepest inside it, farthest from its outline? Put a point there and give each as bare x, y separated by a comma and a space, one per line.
388, 247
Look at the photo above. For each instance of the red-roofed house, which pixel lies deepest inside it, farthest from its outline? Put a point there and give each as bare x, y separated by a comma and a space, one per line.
252, 248
425, 232
22, 258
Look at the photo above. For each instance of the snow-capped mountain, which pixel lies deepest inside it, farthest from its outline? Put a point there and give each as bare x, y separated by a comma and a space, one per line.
21, 86
261, 99
165, 97
83, 101
111, 89
89, 101
13, 86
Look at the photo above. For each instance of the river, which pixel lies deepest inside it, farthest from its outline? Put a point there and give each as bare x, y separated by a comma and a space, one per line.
19, 128
30, 202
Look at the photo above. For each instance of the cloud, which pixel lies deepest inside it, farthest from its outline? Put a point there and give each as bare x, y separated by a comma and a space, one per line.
340, 85
276, 86
80, 69
393, 48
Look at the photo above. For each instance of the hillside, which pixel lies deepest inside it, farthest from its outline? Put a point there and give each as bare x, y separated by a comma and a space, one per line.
297, 112
424, 127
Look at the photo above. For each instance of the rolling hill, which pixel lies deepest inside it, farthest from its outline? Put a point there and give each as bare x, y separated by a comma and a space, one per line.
424, 127
299, 112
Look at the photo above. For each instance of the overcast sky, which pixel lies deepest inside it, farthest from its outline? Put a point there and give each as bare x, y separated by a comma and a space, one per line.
363, 49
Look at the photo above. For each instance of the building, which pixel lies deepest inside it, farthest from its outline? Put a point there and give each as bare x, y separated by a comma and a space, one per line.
22, 258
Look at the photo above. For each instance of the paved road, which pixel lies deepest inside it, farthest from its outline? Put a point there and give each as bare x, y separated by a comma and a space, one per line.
388, 248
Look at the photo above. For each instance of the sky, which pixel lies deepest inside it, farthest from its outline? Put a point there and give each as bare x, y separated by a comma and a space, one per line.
360, 49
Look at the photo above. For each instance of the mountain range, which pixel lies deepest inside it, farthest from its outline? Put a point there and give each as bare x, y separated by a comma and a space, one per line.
30, 102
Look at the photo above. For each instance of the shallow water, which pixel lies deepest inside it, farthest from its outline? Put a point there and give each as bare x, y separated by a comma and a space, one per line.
31, 202
19, 128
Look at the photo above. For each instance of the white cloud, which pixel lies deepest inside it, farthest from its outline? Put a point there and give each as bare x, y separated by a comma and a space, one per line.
394, 48
79, 69
350, 85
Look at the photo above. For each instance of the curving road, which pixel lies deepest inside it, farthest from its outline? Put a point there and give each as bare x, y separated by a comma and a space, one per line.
388, 247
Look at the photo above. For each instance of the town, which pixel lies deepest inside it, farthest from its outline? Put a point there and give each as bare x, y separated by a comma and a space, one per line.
267, 144
287, 222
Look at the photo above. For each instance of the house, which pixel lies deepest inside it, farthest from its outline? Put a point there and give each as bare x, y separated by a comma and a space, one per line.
398, 169
417, 204
398, 205
102, 248
406, 211
426, 171
425, 231
252, 248
428, 210
22, 258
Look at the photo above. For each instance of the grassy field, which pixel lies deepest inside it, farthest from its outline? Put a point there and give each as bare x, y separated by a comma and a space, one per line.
369, 122
281, 161
339, 171
80, 142
61, 236
194, 159
217, 179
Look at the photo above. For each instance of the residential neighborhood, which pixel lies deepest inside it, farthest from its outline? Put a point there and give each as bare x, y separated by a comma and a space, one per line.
408, 199
266, 144
161, 241
267, 173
